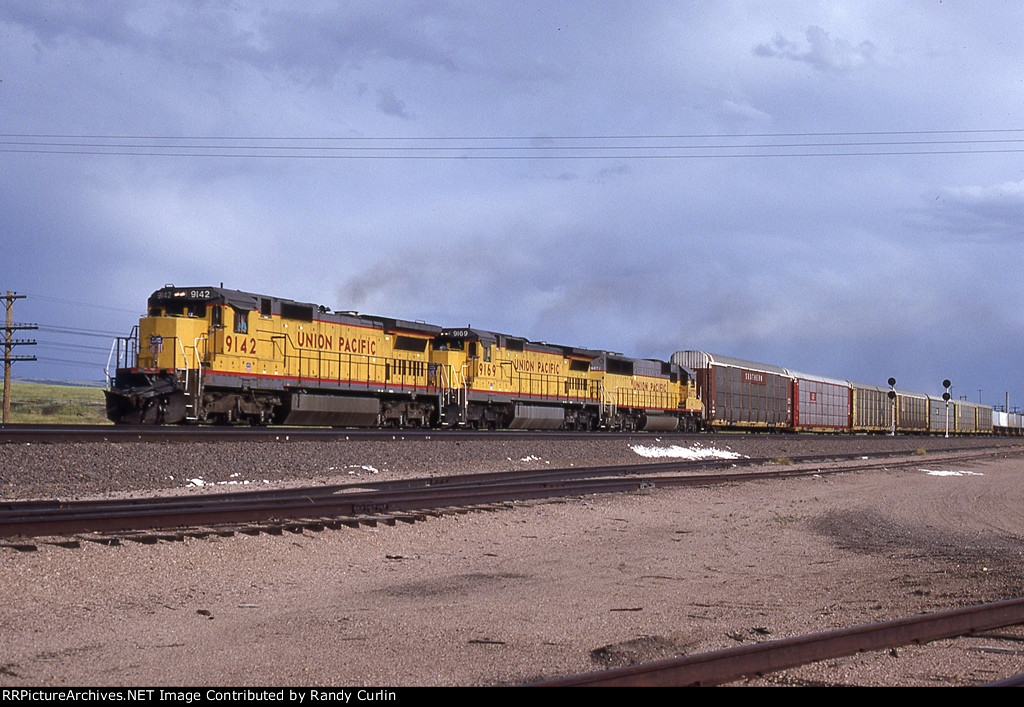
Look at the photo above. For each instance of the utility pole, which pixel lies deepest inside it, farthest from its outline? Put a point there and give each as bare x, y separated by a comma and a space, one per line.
9, 344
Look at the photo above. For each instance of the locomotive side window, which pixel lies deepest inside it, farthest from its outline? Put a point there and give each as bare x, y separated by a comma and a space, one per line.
301, 312
409, 343
217, 317
241, 321
265, 310
619, 367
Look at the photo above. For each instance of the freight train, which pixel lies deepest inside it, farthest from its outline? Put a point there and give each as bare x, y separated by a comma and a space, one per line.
739, 394
214, 355
219, 356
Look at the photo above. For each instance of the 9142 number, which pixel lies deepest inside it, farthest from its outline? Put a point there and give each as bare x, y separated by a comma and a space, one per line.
239, 344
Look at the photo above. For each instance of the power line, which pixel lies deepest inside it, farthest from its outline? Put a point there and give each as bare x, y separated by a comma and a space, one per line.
74, 347
515, 137
642, 147
80, 303
456, 157
93, 364
79, 332
539, 148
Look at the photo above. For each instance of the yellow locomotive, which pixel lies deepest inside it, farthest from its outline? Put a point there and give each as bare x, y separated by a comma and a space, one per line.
224, 356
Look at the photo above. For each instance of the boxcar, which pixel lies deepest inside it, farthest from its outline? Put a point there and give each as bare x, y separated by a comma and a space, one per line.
1006, 423
740, 394
871, 408
941, 416
973, 418
911, 412
820, 404
985, 426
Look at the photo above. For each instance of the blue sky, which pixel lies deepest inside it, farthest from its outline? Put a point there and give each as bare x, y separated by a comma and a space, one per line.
833, 187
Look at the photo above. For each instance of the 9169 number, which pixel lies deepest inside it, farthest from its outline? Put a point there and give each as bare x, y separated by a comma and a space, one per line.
239, 344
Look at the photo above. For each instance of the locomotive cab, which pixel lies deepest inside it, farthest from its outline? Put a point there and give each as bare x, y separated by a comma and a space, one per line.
160, 363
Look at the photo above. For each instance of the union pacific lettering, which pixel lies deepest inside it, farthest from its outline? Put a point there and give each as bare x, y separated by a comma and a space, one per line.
326, 342
531, 366
651, 386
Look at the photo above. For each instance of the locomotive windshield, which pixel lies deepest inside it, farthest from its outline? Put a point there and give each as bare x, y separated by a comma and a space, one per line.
181, 302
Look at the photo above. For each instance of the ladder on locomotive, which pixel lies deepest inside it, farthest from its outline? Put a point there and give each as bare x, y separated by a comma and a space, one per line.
608, 405
453, 390
192, 380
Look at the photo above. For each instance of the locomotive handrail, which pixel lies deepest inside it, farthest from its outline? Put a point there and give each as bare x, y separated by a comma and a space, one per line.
184, 360
199, 375
454, 381
608, 401
123, 359
106, 369
353, 370
464, 388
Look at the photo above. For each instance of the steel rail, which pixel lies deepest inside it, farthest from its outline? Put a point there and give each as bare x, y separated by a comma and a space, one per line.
40, 434
218, 509
655, 473
732, 664
54, 517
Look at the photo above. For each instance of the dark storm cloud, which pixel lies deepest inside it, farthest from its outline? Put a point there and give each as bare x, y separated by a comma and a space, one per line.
883, 264
390, 104
319, 40
52, 21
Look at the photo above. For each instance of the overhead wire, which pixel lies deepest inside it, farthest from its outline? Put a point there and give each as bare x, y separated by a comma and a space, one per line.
538, 136
77, 303
79, 332
93, 364
536, 147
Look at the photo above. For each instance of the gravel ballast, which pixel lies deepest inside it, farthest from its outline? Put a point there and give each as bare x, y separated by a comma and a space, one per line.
506, 597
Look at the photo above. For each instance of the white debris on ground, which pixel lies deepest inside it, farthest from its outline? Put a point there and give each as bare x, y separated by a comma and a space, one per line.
677, 452
529, 458
355, 469
960, 472
199, 482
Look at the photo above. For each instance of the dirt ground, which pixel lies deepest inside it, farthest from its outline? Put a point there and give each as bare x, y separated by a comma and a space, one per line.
540, 590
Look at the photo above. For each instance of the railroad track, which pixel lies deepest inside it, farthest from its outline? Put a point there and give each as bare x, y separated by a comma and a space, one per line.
316, 508
734, 664
55, 434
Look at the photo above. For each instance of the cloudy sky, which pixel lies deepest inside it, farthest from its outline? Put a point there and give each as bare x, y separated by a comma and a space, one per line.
834, 187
